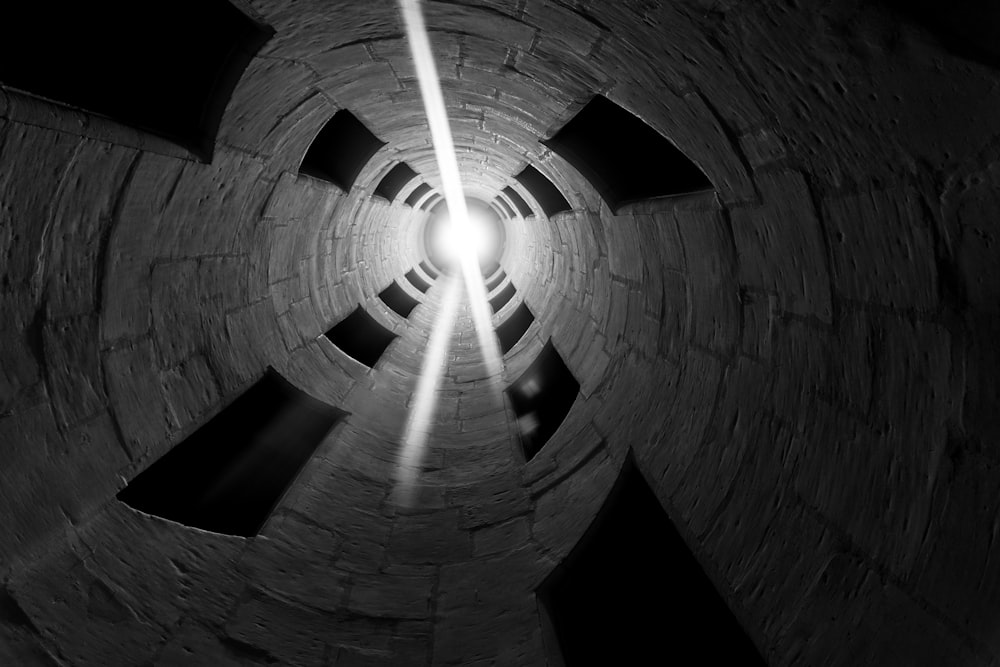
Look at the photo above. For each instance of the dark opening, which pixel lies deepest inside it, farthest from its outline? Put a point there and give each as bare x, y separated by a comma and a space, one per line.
543, 190
519, 202
624, 158
417, 281
632, 593
502, 297
428, 270
967, 27
502, 203
493, 284
542, 397
167, 68
394, 181
513, 328
361, 337
417, 194
340, 150
431, 201
228, 476
398, 300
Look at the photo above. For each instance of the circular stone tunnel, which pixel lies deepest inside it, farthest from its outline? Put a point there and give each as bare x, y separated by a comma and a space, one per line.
798, 360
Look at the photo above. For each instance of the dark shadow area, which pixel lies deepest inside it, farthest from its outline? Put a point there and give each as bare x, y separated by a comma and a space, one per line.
340, 150
513, 328
361, 337
543, 190
228, 476
419, 193
625, 159
394, 181
493, 284
542, 397
507, 210
166, 68
518, 201
425, 267
502, 298
968, 28
632, 593
398, 300
417, 281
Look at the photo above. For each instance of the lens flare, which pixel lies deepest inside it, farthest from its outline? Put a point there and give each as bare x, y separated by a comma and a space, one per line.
419, 422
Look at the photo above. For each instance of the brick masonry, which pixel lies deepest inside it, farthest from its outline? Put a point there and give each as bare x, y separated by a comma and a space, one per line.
804, 362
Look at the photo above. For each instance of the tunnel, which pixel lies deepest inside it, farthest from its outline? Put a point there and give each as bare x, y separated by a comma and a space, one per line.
743, 287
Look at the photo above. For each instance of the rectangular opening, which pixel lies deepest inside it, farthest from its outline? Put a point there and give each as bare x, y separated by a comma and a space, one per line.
502, 297
518, 201
429, 271
502, 203
228, 476
511, 330
431, 202
543, 190
166, 68
361, 337
340, 150
418, 193
625, 159
497, 279
542, 397
632, 593
398, 300
417, 281
394, 181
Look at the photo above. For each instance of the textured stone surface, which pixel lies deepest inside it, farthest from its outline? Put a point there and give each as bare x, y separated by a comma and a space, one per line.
803, 363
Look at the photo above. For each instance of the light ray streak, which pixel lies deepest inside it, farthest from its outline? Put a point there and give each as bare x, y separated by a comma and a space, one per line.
418, 422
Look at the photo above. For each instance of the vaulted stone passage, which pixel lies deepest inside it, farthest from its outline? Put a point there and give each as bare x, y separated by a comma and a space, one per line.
799, 354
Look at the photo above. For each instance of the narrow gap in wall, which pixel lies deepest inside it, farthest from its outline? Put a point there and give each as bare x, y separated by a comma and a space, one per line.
543, 190
361, 337
340, 151
418, 193
394, 181
542, 397
431, 273
511, 330
502, 298
631, 592
493, 284
166, 68
433, 200
518, 201
396, 298
490, 268
417, 281
228, 476
502, 203
625, 159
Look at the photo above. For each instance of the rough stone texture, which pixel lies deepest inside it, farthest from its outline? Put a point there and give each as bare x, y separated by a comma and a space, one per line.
804, 362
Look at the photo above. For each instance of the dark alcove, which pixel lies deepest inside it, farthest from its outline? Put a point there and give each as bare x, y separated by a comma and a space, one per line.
418, 193
361, 337
417, 281
502, 297
394, 181
431, 273
514, 327
518, 200
625, 159
398, 300
542, 397
543, 190
167, 68
495, 282
227, 476
340, 150
632, 593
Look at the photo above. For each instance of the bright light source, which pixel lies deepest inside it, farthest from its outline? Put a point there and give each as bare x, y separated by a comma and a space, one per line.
480, 238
